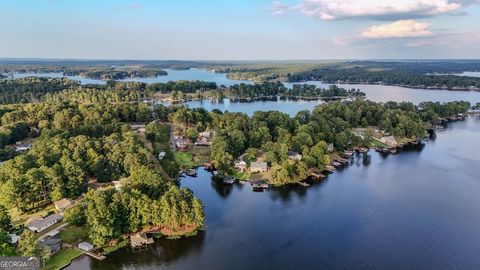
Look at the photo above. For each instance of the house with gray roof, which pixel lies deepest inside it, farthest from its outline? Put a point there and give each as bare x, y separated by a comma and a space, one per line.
42, 224
258, 167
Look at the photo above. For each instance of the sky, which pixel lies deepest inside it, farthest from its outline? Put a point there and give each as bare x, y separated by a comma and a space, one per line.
240, 30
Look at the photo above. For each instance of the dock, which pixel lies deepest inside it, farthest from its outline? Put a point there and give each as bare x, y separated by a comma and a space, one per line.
303, 184
329, 169
316, 174
99, 257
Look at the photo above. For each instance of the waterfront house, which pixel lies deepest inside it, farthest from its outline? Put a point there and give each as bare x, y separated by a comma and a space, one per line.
241, 165
85, 246
140, 239
205, 134
258, 167
63, 204
42, 224
180, 144
389, 140
294, 155
54, 244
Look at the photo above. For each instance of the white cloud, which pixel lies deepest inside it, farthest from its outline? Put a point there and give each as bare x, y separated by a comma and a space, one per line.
131, 6
373, 9
398, 29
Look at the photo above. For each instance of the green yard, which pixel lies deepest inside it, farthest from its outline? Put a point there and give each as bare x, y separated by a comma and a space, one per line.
72, 234
62, 259
120, 245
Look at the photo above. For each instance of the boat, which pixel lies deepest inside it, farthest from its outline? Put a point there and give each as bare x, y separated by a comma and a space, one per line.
191, 172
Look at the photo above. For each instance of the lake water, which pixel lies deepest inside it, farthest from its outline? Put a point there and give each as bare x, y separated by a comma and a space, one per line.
379, 93
465, 74
419, 209
191, 75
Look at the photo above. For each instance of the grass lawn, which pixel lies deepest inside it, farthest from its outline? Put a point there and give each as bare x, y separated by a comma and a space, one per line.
184, 159
379, 144
120, 245
201, 155
62, 259
241, 176
71, 234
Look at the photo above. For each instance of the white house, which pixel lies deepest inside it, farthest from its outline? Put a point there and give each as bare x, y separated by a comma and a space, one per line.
241, 165
85, 246
258, 167
40, 225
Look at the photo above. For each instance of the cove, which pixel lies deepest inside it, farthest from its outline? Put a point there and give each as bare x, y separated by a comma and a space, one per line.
419, 209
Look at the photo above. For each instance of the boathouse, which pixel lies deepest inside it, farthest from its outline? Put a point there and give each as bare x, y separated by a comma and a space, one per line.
140, 239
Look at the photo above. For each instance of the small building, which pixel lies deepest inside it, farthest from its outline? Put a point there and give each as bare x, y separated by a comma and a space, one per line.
54, 244
14, 238
203, 142
240, 165
23, 147
161, 155
259, 185
117, 184
205, 134
53, 233
140, 239
294, 155
330, 148
180, 144
258, 167
389, 140
40, 225
85, 246
228, 180
63, 204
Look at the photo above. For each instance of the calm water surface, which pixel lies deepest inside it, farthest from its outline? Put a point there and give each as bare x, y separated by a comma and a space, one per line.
419, 209
379, 93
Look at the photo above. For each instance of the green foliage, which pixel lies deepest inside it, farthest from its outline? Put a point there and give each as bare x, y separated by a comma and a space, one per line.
75, 215
31, 88
28, 244
5, 219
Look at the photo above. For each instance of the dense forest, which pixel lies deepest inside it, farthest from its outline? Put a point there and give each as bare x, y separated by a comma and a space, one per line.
81, 146
31, 88
274, 133
386, 76
113, 74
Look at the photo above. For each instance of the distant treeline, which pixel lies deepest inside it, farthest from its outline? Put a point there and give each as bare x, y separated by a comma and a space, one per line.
117, 74
31, 88
270, 89
389, 77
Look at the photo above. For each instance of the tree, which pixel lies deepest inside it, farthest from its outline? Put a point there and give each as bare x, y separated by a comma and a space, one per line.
5, 220
28, 244
221, 158
6, 248
75, 215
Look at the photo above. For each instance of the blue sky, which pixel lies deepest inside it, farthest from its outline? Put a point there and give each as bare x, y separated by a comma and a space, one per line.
241, 30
